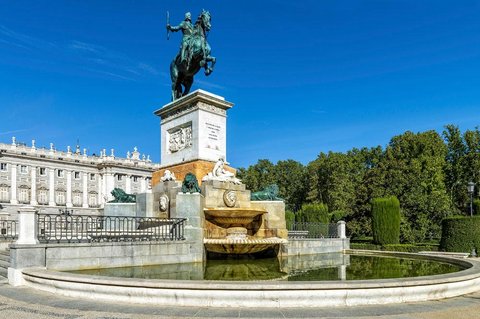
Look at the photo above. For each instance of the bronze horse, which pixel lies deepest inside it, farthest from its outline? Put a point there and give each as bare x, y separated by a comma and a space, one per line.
198, 51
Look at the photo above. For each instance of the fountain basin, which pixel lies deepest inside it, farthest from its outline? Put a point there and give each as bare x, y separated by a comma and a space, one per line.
261, 294
227, 217
241, 246
237, 240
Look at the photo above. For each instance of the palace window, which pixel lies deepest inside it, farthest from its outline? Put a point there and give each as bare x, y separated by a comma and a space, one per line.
3, 167
42, 171
77, 199
92, 177
23, 195
4, 194
92, 200
42, 197
135, 179
23, 169
60, 173
60, 197
119, 177
76, 175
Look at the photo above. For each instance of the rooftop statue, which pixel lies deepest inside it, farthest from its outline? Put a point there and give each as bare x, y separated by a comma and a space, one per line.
194, 53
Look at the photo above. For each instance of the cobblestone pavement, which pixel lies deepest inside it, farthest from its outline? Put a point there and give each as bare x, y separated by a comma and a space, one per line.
19, 303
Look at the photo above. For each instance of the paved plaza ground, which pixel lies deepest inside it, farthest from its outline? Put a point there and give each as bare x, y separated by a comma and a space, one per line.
19, 303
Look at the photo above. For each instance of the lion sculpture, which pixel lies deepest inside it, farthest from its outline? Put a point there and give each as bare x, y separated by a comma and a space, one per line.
122, 197
190, 184
269, 193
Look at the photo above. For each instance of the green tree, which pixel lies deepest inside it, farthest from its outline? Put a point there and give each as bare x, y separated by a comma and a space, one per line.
414, 172
258, 176
291, 178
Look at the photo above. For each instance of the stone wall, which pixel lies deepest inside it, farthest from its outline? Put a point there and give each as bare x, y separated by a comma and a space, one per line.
316, 246
104, 255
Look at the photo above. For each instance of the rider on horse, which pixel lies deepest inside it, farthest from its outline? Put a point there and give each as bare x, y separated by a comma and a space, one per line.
187, 30
194, 53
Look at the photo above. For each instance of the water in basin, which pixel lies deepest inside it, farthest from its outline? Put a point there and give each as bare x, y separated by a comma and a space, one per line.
300, 268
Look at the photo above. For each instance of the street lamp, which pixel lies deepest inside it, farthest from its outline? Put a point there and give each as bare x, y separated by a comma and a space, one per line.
471, 189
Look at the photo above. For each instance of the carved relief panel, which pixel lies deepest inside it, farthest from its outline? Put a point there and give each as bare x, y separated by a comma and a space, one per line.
180, 138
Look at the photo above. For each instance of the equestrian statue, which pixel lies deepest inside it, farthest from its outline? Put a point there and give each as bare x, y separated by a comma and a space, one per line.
194, 53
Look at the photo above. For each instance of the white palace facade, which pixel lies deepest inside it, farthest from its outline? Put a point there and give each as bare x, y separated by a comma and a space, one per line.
50, 179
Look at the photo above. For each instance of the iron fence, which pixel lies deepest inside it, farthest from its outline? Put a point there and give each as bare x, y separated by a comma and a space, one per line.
8, 230
84, 228
312, 230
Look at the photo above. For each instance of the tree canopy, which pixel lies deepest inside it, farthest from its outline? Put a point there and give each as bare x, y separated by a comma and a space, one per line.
427, 172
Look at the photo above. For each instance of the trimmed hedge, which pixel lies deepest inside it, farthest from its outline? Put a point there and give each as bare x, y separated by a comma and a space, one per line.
313, 213
460, 234
386, 220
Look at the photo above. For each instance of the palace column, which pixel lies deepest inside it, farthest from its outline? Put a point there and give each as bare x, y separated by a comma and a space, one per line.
69, 189
109, 185
85, 190
99, 179
128, 184
143, 184
51, 187
33, 188
13, 184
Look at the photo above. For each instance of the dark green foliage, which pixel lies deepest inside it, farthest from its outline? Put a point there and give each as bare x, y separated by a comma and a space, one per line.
289, 218
476, 206
313, 213
460, 234
386, 220
413, 172
427, 173
337, 216
463, 165
409, 248
290, 177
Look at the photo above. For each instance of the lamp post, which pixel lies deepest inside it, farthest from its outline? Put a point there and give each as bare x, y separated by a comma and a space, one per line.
471, 189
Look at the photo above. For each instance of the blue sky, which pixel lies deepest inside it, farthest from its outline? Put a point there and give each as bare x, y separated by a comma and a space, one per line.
305, 76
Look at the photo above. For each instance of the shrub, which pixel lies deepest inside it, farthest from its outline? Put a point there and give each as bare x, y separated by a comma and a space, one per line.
314, 212
460, 234
289, 218
337, 216
410, 248
476, 206
386, 220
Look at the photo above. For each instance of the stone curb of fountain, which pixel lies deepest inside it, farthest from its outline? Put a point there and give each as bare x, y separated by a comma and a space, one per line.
25, 303
265, 294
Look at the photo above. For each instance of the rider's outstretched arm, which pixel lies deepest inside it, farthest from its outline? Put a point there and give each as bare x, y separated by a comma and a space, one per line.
175, 28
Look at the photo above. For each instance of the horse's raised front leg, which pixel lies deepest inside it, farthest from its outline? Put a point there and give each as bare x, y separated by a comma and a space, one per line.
209, 69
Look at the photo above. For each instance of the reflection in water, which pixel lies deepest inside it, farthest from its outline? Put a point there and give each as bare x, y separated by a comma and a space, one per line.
244, 269
334, 266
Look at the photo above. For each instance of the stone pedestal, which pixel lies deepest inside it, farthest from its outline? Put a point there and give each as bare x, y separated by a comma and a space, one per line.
190, 206
274, 221
193, 132
120, 209
145, 205
199, 168
25, 252
27, 226
165, 199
